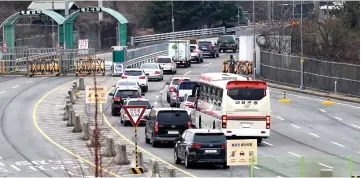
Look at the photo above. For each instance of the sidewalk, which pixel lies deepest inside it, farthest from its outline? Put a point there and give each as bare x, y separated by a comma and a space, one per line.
50, 120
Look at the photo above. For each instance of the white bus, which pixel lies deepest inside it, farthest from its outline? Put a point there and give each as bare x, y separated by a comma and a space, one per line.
238, 106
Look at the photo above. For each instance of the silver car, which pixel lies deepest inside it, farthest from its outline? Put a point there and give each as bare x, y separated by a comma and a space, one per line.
154, 70
167, 64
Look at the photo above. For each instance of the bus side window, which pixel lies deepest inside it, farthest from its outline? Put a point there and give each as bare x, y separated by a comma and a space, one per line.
220, 96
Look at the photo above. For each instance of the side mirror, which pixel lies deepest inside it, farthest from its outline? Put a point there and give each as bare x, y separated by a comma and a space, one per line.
152, 106
111, 94
143, 94
167, 83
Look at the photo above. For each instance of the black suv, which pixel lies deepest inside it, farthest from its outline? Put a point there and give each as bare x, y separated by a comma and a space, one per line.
228, 42
120, 95
209, 48
165, 125
201, 146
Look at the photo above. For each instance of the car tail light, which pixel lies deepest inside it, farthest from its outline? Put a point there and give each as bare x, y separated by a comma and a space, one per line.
124, 76
223, 145
156, 72
156, 127
196, 145
224, 121
268, 122
142, 77
171, 88
189, 124
211, 46
116, 98
196, 51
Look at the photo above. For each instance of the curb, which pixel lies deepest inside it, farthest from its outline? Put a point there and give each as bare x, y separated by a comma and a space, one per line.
313, 92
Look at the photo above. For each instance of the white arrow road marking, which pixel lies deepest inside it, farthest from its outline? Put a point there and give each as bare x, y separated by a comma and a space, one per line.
187, 72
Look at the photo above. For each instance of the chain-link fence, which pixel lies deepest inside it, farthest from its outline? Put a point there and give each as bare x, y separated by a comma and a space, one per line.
320, 75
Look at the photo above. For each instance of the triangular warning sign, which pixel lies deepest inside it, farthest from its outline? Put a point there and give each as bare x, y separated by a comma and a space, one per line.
134, 113
293, 22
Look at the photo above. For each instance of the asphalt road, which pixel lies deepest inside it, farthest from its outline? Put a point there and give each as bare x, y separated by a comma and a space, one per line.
324, 135
23, 151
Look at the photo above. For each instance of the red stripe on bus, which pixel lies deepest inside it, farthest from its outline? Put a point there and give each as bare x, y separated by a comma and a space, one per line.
246, 117
246, 84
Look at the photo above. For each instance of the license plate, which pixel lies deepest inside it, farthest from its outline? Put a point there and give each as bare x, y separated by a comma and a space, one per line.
246, 125
172, 132
204, 48
210, 151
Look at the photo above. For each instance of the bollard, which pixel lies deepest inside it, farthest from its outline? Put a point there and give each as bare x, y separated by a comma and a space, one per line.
85, 133
326, 173
335, 87
109, 150
74, 91
328, 102
284, 100
67, 101
169, 172
75, 86
77, 126
71, 119
121, 155
140, 160
81, 84
153, 170
72, 99
91, 142
67, 111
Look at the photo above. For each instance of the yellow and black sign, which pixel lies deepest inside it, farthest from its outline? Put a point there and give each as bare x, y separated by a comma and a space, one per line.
137, 170
241, 152
44, 67
89, 65
100, 96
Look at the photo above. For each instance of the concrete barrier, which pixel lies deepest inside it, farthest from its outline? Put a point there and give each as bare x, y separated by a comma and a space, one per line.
67, 101
169, 172
140, 160
77, 125
85, 133
72, 98
153, 169
71, 119
121, 155
81, 84
66, 112
92, 142
109, 150
326, 173
74, 91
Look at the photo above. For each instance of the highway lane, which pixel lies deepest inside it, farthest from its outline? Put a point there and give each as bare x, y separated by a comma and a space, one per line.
23, 151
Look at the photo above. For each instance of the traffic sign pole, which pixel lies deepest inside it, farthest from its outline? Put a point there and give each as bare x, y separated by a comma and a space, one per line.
136, 145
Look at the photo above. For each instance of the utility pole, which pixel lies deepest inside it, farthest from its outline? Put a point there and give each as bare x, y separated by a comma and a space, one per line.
293, 10
302, 59
52, 25
173, 21
238, 17
100, 4
66, 14
254, 42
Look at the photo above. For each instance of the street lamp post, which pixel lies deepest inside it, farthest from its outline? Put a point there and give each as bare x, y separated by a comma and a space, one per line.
173, 21
302, 59
52, 25
254, 44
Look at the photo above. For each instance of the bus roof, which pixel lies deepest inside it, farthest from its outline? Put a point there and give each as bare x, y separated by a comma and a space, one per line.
221, 80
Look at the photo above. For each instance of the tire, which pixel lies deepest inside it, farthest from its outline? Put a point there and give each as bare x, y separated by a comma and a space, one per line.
190, 64
161, 79
224, 165
168, 99
176, 158
145, 88
187, 164
198, 60
175, 72
113, 114
186, 65
147, 140
259, 141
125, 123
213, 55
154, 143
121, 121
202, 59
234, 51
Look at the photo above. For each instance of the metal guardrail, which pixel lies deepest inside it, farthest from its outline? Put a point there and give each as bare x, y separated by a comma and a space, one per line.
137, 62
181, 34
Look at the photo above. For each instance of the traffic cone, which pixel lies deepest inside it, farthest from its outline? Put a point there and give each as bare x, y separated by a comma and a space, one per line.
284, 100
328, 102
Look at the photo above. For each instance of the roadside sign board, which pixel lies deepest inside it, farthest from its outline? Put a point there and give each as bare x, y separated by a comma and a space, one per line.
134, 113
100, 96
293, 22
241, 152
83, 46
118, 68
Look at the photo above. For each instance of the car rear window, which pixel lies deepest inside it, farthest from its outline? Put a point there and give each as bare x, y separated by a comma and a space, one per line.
173, 117
164, 60
205, 43
140, 103
226, 38
246, 93
150, 66
177, 81
133, 73
127, 93
193, 41
127, 83
209, 138
187, 85
193, 48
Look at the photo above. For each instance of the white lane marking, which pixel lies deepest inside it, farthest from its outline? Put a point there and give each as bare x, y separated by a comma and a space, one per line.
155, 103
322, 110
1, 164
207, 64
294, 154
2, 92
295, 126
338, 118
157, 96
305, 97
43, 77
187, 72
267, 143
356, 126
256, 167
16, 86
29, 81
16, 168
338, 144
314, 134
1, 157
160, 91
279, 177
279, 117
325, 165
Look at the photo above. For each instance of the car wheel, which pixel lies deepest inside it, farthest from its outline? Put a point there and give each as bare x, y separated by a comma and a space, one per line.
147, 140
224, 165
202, 59
154, 143
176, 158
198, 60
189, 64
234, 51
121, 121
168, 99
259, 141
187, 163
146, 88
125, 123
175, 71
